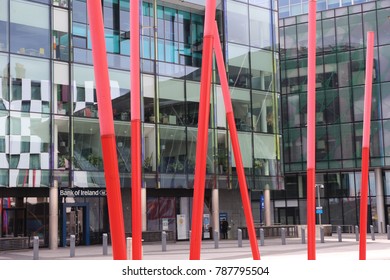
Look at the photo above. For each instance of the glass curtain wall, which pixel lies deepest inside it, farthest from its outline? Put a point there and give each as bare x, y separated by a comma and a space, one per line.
340, 70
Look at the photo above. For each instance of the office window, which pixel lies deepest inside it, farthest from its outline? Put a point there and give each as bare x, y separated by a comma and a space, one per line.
29, 29
3, 25
237, 21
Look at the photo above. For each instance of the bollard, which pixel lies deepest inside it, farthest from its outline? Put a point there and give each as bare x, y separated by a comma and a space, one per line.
72, 245
239, 237
303, 237
261, 237
372, 232
357, 233
283, 234
339, 233
388, 232
105, 244
163, 241
216, 239
322, 234
36, 248
129, 248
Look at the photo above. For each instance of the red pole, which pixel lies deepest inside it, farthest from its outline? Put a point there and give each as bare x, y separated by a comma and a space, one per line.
311, 133
236, 146
136, 227
107, 133
366, 145
203, 125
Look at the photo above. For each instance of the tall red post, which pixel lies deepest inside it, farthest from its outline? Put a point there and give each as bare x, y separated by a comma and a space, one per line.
107, 132
136, 180
366, 145
311, 133
236, 146
203, 125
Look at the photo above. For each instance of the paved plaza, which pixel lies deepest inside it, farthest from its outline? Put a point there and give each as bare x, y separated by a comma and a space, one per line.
331, 249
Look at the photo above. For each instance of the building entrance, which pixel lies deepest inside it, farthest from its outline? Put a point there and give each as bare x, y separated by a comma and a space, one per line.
13, 221
75, 221
287, 215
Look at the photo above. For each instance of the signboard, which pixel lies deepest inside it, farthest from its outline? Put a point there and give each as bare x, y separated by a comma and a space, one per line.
82, 192
319, 210
165, 224
181, 227
206, 225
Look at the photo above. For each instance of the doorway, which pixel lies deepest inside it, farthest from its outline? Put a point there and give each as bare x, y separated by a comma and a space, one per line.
75, 221
288, 215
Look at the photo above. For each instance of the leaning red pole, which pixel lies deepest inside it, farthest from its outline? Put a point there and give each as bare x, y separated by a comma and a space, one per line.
107, 132
235, 145
311, 133
203, 125
136, 226
366, 145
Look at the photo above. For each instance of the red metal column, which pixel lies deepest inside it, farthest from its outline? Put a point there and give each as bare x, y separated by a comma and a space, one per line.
366, 145
311, 133
236, 146
203, 124
136, 227
107, 133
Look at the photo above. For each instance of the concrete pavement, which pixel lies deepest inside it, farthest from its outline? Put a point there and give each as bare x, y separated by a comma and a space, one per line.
331, 249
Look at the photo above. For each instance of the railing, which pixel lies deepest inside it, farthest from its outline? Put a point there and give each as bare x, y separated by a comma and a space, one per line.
272, 231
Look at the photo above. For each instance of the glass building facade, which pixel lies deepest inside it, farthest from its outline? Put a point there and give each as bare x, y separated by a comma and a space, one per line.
49, 129
289, 8
340, 78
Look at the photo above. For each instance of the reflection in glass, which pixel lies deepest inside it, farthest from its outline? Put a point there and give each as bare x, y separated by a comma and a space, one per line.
30, 35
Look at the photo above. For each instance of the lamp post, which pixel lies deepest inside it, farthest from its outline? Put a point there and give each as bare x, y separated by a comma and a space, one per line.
319, 208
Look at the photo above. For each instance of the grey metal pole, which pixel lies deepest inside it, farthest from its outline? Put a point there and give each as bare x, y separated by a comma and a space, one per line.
105, 244
216, 239
163, 241
261, 237
239, 237
339, 233
322, 234
372, 232
283, 236
129, 248
357, 233
388, 232
303, 237
36, 248
72, 245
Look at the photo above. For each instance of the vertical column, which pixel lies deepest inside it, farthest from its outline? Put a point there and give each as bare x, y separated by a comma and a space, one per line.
53, 216
143, 209
203, 124
311, 132
380, 203
136, 163
107, 132
366, 145
267, 207
215, 210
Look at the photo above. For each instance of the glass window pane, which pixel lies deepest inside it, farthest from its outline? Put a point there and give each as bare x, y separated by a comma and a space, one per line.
238, 61
260, 27
29, 28
171, 101
4, 98
383, 26
30, 84
261, 69
237, 21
